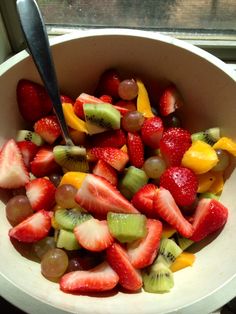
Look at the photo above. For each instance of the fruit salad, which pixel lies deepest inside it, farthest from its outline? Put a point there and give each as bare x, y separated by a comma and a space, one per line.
123, 206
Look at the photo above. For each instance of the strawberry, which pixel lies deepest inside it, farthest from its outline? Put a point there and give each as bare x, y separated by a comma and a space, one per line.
100, 278
113, 156
13, 173
84, 99
98, 196
173, 144
135, 149
170, 100
28, 150
151, 132
164, 205
113, 138
124, 106
48, 128
210, 215
143, 252
93, 235
182, 183
109, 83
106, 98
67, 99
104, 170
143, 200
44, 163
41, 193
129, 277
33, 100
33, 228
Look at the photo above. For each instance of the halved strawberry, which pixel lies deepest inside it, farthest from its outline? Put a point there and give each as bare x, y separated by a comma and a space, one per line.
48, 128
67, 99
173, 144
41, 194
143, 200
109, 83
28, 150
44, 163
94, 235
104, 170
106, 98
33, 100
170, 100
135, 149
164, 205
113, 156
98, 196
151, 132
113, 138
143, 252
129, 277
33, 228
84, 99
13, 173
125, 106
210, 215
100, 278
122, 110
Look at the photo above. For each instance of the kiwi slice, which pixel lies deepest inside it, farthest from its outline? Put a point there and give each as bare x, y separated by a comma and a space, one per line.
209, 195
68, 219
183, 242
127, 227
168, 252
132, 181
210, 136
67, 240
158, 278
100, 118
72, 158
25, 135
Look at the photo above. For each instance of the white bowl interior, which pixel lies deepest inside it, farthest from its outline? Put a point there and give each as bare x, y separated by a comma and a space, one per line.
210, 96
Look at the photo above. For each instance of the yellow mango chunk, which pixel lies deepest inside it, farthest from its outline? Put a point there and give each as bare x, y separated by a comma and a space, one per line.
143, 102
167, 231
205, 181
124, 149
73, 178
218, 184
54, 223
200, 157
185, 259
77, 137
72, 120
226, 143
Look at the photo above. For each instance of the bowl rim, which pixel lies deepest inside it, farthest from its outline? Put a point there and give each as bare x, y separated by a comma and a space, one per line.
210, 302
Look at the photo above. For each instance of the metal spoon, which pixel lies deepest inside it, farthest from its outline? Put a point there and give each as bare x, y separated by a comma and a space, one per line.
37, 40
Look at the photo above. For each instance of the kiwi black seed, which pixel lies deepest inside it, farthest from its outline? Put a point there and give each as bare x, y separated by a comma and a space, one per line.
68, 219
168, 251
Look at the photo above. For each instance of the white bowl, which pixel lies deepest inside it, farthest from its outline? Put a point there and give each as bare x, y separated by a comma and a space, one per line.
209, 89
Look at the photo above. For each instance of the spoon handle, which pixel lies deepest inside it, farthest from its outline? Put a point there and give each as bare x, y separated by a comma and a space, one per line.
37, 41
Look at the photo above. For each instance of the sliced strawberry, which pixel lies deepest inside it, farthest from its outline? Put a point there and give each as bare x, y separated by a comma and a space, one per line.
94, 235
44, 163
67, 99
125, 106
122, 110
143, 252
109, 83
113, 138
98, 196
170, 100
129, 277
48, 128
28, 150
135, 149
41, 194
113, 156
100, 278
182, 184
104, 170
143, 200
152, 131
164, 205
84, 99
173, 145
210, 215
13, 173
33, 100
33, 228
106, 98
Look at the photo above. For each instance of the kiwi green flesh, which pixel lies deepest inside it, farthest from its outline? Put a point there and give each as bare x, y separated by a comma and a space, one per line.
132, 181
168, 252
209, 195
67, 240
127, 227
183, 242
158, 279
210, 136
25, 135
68, 219
73, 158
